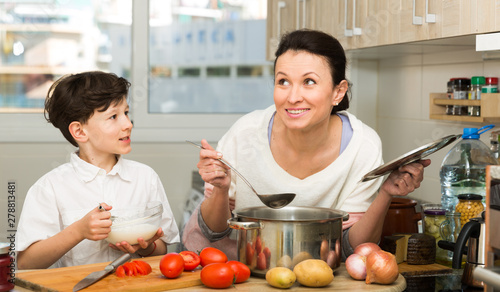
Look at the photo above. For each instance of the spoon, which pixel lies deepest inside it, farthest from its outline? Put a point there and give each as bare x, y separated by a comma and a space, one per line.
275, 201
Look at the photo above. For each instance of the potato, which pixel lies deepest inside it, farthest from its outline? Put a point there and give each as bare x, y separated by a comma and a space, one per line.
313, 273
280, 277
301, 256
285, 261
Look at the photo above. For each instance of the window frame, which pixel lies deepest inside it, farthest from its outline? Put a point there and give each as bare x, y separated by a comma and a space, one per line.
32, 127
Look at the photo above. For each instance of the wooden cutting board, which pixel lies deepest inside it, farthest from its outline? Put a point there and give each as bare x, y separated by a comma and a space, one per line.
63, 279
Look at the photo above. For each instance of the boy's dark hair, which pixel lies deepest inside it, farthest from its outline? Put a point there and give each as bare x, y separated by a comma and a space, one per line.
320, 44
75, 97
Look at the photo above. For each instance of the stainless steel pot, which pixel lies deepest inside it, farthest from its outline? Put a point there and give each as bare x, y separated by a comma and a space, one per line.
268, 237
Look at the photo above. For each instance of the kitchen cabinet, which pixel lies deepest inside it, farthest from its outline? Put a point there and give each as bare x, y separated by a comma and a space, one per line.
361, 24
489, 103
288, 15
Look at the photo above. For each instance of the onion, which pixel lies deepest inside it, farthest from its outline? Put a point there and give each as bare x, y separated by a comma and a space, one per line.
366, 248
356, 266
381, 267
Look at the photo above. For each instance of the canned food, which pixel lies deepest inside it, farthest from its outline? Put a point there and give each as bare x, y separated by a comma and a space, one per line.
470, 206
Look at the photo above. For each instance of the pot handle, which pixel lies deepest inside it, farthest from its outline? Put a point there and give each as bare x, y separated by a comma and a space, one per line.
235, 224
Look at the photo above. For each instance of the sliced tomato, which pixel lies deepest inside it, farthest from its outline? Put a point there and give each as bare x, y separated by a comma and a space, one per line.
120, 272
143, 268
130, 269
191, 260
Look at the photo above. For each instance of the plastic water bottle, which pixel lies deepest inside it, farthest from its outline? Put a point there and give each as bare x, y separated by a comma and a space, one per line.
464, 168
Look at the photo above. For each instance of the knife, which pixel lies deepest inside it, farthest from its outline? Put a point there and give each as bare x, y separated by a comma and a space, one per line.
96, 276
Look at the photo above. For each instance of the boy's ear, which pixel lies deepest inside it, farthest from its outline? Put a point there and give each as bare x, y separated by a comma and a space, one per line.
77, 131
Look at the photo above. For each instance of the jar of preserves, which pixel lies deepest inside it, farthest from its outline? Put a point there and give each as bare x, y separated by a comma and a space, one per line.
433, 218
469, 206
6, 282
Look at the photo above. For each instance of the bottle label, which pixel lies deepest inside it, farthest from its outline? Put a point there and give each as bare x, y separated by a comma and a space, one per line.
459, 94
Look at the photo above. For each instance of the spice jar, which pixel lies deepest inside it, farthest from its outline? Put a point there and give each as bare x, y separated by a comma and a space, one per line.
470, 206
477, 83
449, 94
6, 283
461, 89
491, 85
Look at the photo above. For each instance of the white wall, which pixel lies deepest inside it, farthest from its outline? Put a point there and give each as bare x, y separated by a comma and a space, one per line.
404, 85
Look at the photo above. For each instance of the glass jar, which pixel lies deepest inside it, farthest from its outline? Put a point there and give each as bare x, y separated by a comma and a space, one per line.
461, 89
433, 218
6, 282
470, 206
449, 231
491, 85
449, 94
477, 83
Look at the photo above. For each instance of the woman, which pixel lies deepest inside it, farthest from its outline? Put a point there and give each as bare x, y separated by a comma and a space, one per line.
306, 143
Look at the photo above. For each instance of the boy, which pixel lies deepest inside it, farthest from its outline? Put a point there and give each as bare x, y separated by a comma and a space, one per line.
61, 224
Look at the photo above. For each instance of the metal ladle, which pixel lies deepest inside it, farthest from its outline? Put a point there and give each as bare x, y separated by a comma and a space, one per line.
274, 201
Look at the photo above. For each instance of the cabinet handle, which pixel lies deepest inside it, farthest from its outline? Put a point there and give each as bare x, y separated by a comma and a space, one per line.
347, 32
281, 5
356, 30
417, 20
429, 17
303, 14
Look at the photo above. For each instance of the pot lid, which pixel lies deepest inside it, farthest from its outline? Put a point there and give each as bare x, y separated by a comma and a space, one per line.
410, 157
292, 214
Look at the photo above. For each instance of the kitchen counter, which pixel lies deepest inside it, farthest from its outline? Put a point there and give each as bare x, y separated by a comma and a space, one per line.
422, 277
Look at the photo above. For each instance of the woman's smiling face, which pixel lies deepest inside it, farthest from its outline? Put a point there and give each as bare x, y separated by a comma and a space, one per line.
304, 93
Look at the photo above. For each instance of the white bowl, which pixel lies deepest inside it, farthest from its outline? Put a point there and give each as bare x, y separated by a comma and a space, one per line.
131, 223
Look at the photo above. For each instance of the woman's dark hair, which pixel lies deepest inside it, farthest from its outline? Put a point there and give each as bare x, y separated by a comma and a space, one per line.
75, 98
320, 44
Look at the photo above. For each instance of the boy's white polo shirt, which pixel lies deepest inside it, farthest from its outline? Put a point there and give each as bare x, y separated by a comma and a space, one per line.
67, 193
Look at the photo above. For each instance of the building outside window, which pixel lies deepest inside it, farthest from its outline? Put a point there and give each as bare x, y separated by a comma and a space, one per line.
205, 56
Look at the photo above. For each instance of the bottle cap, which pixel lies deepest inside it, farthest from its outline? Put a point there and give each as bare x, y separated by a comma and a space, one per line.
435, 212
470, 133
470, 197
491, 80
461, 81
478, 80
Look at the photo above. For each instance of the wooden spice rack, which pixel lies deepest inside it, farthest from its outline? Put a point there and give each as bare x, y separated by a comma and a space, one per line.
489, 103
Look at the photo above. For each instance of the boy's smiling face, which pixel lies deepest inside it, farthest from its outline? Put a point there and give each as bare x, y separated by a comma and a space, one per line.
109, 132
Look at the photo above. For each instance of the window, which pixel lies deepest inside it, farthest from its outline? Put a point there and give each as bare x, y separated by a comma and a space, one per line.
44, 40
205, 45
195, 65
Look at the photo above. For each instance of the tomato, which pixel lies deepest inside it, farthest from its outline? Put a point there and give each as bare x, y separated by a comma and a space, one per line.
241, 271
191, 260
250, 252
143, 268
130, 269
210, 255
258, 245
217, 275
120, 272
261, 261
172, 265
